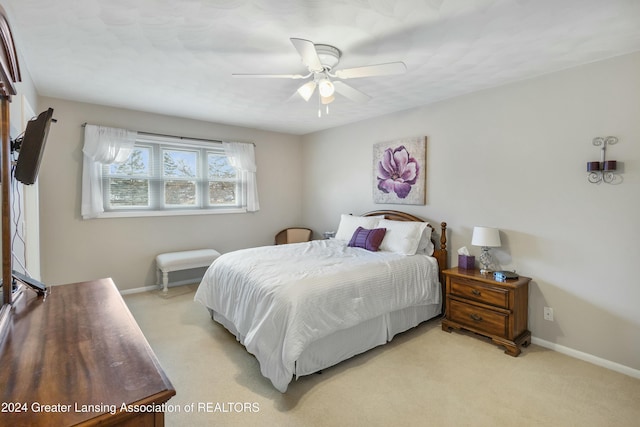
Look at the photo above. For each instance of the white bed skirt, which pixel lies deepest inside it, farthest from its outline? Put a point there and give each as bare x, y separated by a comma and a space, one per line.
346, 343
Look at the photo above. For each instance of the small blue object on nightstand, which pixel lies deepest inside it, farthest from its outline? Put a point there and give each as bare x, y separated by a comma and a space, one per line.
502, 276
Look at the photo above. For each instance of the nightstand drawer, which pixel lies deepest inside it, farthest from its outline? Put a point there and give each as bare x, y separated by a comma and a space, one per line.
480, 319
473, 290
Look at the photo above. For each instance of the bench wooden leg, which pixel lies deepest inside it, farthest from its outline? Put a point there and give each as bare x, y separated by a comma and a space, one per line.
165, 281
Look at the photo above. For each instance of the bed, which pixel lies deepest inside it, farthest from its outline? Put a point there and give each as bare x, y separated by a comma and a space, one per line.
300, 308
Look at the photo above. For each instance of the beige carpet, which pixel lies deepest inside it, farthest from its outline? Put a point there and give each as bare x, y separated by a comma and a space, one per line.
424, 377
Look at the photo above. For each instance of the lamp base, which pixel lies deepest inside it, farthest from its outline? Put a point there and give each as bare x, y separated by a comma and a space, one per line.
485, 261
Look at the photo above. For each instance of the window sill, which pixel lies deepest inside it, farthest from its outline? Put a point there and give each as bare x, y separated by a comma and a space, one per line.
137, 214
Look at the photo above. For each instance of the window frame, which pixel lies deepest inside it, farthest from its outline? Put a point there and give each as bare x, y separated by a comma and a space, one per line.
157, 181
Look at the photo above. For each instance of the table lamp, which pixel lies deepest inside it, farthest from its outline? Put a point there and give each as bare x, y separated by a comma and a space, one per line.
486, 237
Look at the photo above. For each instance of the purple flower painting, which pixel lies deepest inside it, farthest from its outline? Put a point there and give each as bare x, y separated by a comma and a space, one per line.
398, 171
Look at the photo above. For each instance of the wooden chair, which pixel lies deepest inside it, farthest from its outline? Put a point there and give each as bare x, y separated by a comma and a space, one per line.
293, 235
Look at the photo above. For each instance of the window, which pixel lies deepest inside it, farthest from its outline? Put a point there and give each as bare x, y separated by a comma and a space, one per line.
165, 176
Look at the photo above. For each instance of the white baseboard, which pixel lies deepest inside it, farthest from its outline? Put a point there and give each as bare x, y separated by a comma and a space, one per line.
157, 287
138, 290
626, 370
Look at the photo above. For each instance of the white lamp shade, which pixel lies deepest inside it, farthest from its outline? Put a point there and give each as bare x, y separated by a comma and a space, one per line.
486, 236
306, 90
326, 88
327, 99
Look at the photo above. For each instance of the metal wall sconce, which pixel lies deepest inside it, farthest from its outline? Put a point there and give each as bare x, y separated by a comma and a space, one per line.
604, 170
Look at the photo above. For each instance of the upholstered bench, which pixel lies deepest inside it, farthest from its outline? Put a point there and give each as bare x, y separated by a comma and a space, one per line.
185, 260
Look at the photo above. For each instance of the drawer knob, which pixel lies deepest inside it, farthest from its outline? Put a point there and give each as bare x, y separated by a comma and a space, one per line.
475, 292
476, 317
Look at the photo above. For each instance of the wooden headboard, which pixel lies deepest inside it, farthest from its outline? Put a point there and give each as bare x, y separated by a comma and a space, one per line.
440, 250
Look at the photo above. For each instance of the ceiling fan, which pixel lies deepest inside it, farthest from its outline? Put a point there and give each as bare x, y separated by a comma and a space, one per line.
320, 60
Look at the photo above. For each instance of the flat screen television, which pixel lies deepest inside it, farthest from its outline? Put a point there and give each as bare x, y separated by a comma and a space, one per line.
32, 146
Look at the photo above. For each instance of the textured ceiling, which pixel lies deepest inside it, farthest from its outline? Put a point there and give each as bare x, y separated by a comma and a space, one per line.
176, 57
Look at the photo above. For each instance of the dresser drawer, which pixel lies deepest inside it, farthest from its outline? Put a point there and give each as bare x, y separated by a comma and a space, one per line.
480, 319
473, 290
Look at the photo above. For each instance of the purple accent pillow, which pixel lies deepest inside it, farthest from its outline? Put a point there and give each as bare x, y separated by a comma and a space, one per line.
367, 239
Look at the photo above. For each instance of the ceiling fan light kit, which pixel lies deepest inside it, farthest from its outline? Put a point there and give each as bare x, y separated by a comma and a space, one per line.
326, 88
326, 99
306, 90
320, 60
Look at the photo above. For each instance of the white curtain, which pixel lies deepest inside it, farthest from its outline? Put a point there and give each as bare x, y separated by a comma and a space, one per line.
102, 146
242, 158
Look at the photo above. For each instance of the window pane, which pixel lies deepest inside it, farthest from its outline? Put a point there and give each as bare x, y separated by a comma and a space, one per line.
180, 164
219, 167
126, 192
168, 176
136, 165
180, 193
222, 193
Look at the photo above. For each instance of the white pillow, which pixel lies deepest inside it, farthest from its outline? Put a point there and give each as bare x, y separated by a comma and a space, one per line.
349, 224
426, 245
402, 237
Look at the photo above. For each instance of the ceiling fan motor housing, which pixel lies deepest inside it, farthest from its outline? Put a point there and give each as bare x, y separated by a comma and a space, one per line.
329, 55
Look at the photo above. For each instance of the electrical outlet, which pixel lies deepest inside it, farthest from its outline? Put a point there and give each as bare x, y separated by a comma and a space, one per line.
548, 314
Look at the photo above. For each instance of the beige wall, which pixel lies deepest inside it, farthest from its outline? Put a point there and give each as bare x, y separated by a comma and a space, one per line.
514, 157
73, 249
511, 157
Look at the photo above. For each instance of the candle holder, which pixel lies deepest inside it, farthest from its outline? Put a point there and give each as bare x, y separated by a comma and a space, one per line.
604, 170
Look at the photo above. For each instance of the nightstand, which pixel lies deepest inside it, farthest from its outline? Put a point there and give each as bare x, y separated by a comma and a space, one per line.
498, 310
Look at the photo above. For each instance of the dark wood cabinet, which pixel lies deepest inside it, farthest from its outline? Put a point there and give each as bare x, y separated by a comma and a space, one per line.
78, 357
498, 310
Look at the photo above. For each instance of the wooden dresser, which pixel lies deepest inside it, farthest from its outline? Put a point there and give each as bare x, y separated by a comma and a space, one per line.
498, 310
78, 357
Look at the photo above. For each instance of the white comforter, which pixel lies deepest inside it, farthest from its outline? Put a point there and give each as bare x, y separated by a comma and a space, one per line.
282, 298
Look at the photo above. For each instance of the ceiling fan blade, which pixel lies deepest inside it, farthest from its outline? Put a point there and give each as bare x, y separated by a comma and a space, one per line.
307, 51
271, 76
372, 70
350, 92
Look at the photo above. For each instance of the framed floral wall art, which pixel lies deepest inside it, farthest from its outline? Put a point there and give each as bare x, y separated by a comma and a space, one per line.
399, 171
